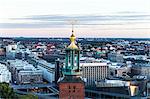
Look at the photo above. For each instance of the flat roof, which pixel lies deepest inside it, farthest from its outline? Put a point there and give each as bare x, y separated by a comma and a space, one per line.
93, 64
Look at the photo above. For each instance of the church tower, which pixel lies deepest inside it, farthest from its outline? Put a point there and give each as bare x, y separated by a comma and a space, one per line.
71, 85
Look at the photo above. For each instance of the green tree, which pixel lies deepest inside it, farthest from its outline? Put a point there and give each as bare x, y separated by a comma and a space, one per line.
7, 92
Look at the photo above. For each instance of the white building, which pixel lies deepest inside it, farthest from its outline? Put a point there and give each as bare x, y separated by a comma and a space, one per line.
11, 51
5, 75
94, 72
119, 70
112, 83
48, 70
23, 72
145, 70
11, 47
115, 57
16, 51
132, 86
30, 76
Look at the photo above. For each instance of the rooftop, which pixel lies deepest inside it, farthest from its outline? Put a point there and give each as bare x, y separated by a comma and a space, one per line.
93, 64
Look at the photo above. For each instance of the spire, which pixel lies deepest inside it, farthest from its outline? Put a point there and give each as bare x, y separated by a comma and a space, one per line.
72, 63
72, 38
72, 23
72, 35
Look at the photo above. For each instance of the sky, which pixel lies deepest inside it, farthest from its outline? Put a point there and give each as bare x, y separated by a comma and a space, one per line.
95, 18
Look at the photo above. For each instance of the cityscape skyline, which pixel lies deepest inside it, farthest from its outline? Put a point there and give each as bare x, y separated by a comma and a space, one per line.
49, 18
74, 49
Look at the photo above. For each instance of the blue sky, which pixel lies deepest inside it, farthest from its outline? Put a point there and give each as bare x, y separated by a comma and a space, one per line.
96, 18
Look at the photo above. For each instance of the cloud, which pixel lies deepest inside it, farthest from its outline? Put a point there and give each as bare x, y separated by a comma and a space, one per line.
62, 21
31, 25
85, 17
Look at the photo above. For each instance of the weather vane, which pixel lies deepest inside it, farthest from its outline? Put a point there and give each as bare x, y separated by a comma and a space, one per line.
73, 22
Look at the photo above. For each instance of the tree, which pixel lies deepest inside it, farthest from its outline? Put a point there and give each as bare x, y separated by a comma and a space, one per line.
6, 92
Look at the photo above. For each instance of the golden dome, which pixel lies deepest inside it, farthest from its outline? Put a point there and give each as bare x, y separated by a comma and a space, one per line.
72, 44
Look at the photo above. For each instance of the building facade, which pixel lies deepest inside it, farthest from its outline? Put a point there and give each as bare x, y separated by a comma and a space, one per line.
115, 57
26, 77
24, 73
47, 68
94, 72
5, 75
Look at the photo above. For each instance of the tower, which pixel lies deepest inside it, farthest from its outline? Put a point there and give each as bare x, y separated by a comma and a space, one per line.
71, 85
57, 70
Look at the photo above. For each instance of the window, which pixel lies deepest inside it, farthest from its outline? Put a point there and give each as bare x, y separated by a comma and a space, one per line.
69, 89
74, 87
